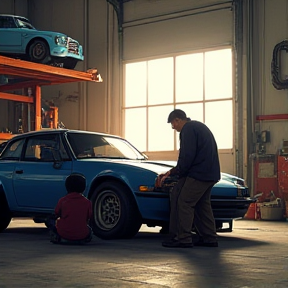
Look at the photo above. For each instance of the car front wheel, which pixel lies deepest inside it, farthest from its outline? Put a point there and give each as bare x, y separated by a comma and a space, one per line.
5, 215
115, 213
39, 52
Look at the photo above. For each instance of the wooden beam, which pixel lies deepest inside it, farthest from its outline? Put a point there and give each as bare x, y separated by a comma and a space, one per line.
18, 98
5, 136
24, 74
55, 75
20, 85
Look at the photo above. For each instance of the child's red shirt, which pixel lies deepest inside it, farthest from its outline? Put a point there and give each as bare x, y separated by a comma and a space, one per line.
74, 211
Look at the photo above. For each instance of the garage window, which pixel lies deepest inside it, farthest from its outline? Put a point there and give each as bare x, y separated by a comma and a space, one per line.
198, 83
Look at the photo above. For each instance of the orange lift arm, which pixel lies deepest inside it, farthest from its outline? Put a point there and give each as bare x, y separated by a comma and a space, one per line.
26, 74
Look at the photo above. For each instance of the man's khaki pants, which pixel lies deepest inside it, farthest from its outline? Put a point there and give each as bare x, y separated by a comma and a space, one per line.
190, 201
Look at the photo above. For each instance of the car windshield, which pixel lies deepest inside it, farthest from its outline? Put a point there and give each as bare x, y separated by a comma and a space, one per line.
24, 23
102, 146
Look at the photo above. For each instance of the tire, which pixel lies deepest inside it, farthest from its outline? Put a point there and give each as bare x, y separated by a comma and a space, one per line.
70, 63
115, 212
5, 214
39, 52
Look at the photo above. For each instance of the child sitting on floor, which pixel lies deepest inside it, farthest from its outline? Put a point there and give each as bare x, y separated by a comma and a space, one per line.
73, 213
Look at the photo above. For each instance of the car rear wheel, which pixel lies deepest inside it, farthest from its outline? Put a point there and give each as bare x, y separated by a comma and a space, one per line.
5, 215
39, 52
115, 212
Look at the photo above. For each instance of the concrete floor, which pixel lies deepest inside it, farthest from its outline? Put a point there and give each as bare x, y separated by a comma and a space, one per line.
255, 254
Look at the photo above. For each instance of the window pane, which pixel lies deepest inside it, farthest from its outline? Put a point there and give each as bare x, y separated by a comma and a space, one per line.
218, 74
14, 150
135, 127
198, 77
160, 134
218, 117
135, 84
160, 81
189, 77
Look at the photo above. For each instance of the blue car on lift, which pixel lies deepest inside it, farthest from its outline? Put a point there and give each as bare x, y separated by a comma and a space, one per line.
120, 182
20, 39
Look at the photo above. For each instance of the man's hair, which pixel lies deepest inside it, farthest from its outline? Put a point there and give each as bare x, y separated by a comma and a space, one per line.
75, 183
177, 113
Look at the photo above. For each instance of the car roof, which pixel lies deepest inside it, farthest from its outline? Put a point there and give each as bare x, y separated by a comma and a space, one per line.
15, 16
60, 131
10, 15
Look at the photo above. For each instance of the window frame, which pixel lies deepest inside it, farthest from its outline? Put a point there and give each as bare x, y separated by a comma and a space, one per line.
175, 103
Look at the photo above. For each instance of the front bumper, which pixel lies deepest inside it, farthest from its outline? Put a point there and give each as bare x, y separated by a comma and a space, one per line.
64, 52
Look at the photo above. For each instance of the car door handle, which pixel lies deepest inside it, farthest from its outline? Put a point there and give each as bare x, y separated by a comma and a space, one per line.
19, 171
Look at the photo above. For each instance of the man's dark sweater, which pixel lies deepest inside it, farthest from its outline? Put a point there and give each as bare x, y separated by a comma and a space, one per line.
198, 155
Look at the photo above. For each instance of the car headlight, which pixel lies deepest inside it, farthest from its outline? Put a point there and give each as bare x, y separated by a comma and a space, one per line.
242, 191
144, 188
61, 40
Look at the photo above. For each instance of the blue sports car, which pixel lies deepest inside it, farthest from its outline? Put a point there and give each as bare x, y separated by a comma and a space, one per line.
19, 38
120, 182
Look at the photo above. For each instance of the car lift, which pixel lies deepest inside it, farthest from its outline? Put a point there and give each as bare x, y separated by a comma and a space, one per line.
23, 74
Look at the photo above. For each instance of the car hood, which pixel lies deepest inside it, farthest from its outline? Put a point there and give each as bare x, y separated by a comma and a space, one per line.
160, 167
163, 166
44, 32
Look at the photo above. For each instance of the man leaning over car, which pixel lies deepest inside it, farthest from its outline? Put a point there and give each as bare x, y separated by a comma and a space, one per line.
198, 169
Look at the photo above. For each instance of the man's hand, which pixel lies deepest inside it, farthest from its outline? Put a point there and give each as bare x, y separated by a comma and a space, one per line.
161, 178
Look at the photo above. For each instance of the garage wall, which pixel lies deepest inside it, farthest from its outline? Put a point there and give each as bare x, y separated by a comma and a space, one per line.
7, 108
80, 104
17, 7
270, 28
151, 29
93, 23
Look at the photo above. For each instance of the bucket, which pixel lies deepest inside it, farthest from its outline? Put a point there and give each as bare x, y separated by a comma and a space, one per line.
271, 213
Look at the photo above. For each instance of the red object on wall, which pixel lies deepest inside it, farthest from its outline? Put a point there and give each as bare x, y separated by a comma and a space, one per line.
283, 176
265, 176
272, 117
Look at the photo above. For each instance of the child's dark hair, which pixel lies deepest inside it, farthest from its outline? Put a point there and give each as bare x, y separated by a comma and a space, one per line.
75, 183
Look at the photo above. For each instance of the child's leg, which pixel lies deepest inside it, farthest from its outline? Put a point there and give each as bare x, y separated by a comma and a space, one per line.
90, 235
54, 236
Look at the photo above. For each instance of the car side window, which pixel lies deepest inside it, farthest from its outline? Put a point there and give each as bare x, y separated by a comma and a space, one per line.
13, 150
42, 148
7, 22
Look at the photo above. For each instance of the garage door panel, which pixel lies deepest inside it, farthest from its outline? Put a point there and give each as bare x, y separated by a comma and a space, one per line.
143, 9
178, 35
